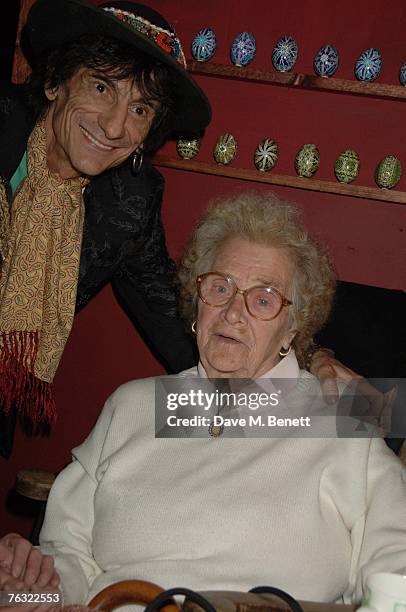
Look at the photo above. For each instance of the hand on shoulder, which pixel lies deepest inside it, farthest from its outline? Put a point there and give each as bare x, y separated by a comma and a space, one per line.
324, 365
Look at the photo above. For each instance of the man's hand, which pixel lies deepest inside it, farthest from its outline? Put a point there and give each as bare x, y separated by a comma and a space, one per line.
24, 567
328, 369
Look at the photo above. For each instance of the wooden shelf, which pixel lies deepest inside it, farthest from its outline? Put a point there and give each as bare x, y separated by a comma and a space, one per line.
297, 182
299, 81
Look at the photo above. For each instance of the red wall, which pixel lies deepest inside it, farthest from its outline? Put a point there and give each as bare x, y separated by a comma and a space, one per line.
366, 238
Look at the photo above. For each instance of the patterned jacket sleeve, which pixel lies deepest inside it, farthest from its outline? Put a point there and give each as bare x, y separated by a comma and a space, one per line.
124, 243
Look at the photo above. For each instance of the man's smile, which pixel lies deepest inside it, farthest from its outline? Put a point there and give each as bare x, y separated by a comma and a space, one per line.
96, 142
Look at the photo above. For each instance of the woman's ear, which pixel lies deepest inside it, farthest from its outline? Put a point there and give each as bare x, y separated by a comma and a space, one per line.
288, 339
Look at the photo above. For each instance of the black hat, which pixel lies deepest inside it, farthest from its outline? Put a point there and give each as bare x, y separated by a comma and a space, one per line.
51, 23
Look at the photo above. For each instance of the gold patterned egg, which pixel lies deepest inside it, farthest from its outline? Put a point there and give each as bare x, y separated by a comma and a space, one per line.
346, 167
388, 172
188, 148
266, 155
225, 149
307, 160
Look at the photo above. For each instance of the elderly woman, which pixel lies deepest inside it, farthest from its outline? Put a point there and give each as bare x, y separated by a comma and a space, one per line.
311, 516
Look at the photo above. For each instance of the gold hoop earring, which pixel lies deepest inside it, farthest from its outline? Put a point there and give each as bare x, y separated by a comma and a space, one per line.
194, 327
285, 353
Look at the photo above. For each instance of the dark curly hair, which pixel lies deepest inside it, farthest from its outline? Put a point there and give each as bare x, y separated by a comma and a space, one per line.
117, 61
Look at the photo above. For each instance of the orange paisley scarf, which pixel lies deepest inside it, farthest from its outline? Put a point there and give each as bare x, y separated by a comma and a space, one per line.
40, 245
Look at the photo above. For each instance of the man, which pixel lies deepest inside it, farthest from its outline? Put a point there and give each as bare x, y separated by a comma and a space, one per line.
108, 86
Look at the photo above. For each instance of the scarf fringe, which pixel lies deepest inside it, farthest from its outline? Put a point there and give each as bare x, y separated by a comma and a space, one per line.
20, 390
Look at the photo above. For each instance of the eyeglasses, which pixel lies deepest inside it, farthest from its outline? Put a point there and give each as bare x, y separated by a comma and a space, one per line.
264, 303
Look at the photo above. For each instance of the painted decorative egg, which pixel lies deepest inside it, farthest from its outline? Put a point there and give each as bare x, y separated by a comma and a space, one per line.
284, 54
225, 149
347, 166
243, 49
402, 74
388, 172
307, 160
326, 61
266, 155
188, 148
204, 45
368, 65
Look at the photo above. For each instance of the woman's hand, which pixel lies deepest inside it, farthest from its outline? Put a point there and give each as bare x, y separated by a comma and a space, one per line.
25, 567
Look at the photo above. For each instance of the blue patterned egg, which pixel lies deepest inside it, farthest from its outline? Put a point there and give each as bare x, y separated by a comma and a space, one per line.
388, 172
187, 148
326, 61
368, 65
307, 160
284, 54
243, 49
266, 155
204, 45
346, 167
402, 74
225, 149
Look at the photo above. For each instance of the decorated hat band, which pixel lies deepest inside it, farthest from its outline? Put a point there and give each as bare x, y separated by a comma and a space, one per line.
165, 40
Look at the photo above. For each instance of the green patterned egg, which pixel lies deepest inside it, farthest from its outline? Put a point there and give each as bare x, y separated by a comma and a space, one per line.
225, 149
266, 155
388, 172
188, 148
307, 160
347, 166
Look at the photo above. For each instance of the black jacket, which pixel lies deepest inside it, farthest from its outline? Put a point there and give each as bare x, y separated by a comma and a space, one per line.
123, 243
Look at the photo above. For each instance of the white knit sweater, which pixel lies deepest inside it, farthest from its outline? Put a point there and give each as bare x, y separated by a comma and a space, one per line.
310, 516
